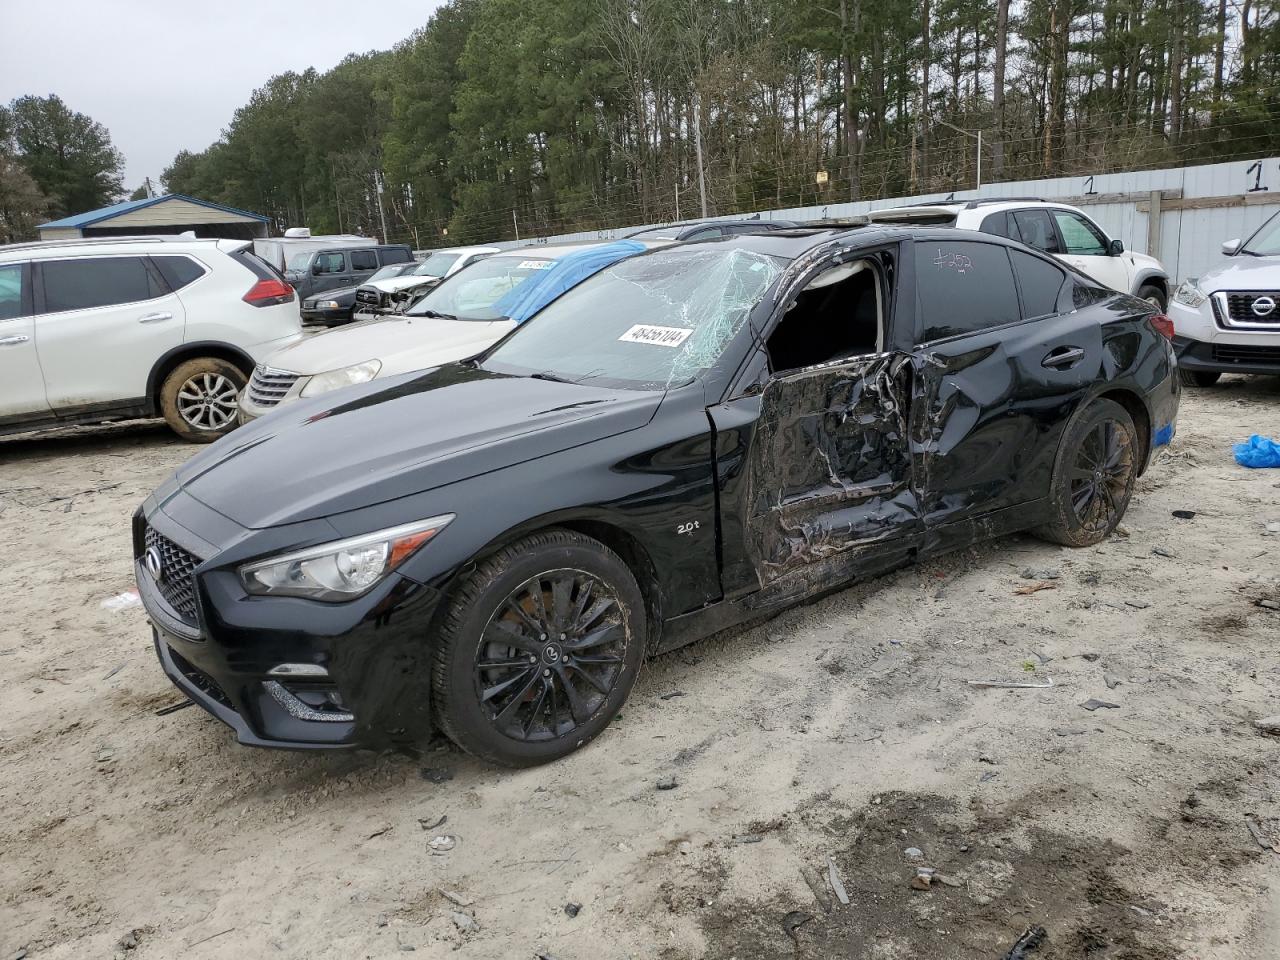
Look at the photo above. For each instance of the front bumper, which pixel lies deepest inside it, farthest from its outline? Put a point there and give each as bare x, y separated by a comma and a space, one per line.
327, 316
1219, 356
292, 673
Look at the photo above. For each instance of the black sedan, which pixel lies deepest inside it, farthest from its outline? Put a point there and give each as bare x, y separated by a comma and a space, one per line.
335, 306
690, 439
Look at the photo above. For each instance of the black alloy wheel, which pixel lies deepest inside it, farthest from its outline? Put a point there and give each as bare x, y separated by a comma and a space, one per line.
1094, 477
1100, 477
550, 655
538, 649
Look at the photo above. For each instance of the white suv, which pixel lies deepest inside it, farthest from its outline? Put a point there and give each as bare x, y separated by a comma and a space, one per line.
98, 330
1228, 321
1053, 228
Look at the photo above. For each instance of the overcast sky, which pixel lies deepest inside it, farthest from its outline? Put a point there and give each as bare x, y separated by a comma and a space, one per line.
164, 75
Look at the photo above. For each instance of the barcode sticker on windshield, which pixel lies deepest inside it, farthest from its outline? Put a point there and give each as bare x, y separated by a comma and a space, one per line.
534, 264
661, 336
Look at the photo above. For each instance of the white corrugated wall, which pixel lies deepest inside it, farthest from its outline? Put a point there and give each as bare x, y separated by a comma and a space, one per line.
1190, 240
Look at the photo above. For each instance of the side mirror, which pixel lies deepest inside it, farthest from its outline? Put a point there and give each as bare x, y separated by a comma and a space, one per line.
1231, 247
315, 269
1116, 248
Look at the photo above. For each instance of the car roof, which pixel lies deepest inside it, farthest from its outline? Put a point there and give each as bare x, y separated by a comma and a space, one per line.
791, 243
463, 251
938, 210
96, 245
675, 228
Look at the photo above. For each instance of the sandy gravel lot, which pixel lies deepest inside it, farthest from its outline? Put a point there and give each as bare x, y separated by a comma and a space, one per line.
839, 733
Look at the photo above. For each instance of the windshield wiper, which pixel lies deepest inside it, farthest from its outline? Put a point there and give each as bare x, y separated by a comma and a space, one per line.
547, 375
434, 313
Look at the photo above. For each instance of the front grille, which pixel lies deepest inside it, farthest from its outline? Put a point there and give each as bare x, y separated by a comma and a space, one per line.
369, 297
267, 386
1246, 353
1240, 307
308, 304
199, 679
176, 583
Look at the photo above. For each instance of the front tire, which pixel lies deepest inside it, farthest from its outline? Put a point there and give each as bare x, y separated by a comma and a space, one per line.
1199, 378
1094, 477
538, 650
1154, 296
198, 398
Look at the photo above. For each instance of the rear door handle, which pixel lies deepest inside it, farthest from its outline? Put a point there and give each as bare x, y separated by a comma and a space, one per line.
1061, 357
13, 341
155, 317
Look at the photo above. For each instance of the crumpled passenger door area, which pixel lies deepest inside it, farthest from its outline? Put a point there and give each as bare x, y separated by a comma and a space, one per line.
829, 470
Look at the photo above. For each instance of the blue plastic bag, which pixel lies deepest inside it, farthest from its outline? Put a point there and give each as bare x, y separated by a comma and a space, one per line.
1258, 451
565, 274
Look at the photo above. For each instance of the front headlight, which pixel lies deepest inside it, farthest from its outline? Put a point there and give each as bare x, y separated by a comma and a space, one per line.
327, 305
1189, 293
333, 379
341, 570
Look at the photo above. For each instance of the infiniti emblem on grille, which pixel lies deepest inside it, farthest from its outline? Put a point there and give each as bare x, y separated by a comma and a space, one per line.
154, 565
1263, 306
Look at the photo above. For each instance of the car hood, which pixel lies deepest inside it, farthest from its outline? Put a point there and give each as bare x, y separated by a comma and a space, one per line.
1142, 261
337, 293
402, 344
392, 284
1243, 272
389, 439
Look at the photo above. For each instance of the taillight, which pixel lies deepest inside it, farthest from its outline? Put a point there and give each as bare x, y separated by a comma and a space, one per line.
268, 292
1162, 325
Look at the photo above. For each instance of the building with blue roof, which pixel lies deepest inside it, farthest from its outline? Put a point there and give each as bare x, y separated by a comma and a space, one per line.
172, 213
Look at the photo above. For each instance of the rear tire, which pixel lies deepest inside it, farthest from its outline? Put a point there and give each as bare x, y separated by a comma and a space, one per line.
1198, 378
539, 649
198, 398
1154, 296
1094, 477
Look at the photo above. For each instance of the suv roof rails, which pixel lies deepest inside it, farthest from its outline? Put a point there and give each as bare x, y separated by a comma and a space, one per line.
91, 241
966, 204
972, 204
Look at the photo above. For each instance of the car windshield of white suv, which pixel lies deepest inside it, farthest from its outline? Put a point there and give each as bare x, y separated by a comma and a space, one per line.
1266, 242
649, 322
474, 291
436, 265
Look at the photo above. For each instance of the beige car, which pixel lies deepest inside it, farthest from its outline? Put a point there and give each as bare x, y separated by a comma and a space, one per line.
458, 319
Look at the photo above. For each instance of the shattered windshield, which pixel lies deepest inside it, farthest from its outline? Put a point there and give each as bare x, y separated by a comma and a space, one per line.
650, 322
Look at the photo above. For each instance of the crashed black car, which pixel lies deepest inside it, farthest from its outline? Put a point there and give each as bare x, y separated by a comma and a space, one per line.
692, 438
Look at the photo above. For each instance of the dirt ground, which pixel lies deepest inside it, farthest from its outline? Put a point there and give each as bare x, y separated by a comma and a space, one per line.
840, 733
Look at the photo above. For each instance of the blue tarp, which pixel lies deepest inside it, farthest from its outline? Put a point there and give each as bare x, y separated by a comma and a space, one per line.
1259, 451
565, 274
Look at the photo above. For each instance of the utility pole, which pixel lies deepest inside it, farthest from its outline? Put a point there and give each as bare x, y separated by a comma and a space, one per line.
968, 133
697, 140
514, 223
377, 182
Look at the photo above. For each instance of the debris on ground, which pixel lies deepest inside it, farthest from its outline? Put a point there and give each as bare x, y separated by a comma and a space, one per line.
442, 843
113, 671
1184, 514
837, 885
816, 887
1111, 680
668, 783
923, 880
572, 909
672, 695
1162, 552
1031, 588
748, 838
793, 921
457, 899
1258, 451
1268, 724
1268, 604
913, 853
464, 922
385, 828
1258, 836
175, 707
122, 601
1094, 704
1010, 684
1031, 573
1137, 604
426, 823
437, 774
1029, 941
130, 940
